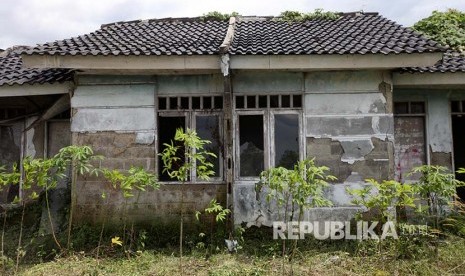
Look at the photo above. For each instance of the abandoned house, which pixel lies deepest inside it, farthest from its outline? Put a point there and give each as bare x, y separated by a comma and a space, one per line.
363, 95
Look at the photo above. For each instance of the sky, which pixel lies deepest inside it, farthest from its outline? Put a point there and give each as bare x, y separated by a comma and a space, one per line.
31, 22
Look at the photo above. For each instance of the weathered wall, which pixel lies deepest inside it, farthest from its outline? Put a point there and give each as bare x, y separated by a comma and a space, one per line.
348, 126
117, 118
438, 121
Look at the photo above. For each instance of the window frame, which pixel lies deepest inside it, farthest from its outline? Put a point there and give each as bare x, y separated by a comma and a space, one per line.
190, 122
268, 114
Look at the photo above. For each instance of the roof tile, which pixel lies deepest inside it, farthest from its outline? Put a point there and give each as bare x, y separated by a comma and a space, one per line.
345, 35
451, 62
253, 36
153, 37
12, 71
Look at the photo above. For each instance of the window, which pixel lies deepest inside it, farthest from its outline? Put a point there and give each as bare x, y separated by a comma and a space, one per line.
201, 113
457, 107
267, 133
410, 138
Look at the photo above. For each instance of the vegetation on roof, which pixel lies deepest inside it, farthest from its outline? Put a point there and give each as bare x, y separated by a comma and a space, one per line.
296, 16
217, 16
447, 28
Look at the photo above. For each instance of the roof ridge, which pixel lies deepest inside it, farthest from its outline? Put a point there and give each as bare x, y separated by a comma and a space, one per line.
203, 19
165, 19
16, 49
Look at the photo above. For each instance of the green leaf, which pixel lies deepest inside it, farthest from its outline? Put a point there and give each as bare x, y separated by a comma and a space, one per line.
34, 196
16, 200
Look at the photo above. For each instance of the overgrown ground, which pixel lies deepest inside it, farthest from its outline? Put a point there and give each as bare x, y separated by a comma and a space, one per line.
151, 254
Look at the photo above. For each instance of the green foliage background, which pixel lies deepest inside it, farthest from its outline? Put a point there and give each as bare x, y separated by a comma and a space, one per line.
447, 28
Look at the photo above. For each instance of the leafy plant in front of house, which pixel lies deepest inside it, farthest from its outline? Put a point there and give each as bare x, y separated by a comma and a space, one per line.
455, 220
185, 154
7, 178
379, 197
80, 160
381, 200
217, 214
437, 186
44, 174
295, 191
135, 179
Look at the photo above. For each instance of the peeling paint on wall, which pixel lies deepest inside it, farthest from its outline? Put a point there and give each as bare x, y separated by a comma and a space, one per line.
145, 138
355, 150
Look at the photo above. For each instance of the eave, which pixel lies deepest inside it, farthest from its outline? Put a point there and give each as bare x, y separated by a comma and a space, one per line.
333, 62
166, 64
437, 79
133, 63
35, 89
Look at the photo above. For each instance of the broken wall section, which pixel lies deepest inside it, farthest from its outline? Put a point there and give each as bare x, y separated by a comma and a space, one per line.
349, 127
117, 117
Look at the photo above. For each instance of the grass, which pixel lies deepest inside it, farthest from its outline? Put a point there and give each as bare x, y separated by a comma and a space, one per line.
154, 252
450, 261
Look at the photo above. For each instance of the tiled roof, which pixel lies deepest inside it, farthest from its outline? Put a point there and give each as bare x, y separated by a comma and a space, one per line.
182, 36
452, 62
353, 33
11, 71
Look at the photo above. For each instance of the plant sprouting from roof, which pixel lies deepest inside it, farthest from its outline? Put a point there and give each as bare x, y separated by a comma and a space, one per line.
447, 28
218, 16
296, 16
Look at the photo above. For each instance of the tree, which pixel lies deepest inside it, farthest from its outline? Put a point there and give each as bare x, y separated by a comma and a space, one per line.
447, 28
186, 153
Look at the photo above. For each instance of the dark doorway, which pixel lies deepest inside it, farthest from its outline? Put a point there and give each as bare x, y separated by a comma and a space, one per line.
458, 133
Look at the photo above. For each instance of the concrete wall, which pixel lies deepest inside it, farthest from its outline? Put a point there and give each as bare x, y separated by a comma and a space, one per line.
348, 126
117, 117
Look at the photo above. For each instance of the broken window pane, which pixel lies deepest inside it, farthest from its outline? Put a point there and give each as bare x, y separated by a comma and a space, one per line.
417, 107
173, 103
251, 145
195, 102
297, 101
239, 101
285, 101
251, 102
162, 103
184, 102
218, 102
274, 101
401, 108
286, 141
166, 130
262, 102
207, 128
207, 102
